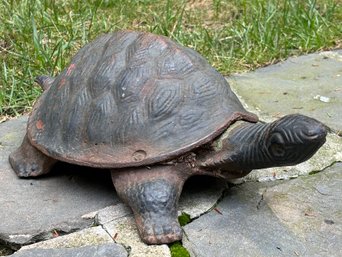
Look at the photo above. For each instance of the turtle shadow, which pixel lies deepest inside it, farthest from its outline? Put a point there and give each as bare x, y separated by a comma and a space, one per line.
97, 176
84, 175
197, 183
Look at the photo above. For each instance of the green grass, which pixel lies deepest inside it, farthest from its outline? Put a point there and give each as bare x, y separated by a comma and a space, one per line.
40, 36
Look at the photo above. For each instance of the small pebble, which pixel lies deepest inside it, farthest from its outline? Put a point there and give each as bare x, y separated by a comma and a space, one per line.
324, 99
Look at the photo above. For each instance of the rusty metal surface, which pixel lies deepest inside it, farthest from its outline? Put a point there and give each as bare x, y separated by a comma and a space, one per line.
132, 98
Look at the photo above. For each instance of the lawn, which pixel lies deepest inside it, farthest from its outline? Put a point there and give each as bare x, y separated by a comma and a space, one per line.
39, 37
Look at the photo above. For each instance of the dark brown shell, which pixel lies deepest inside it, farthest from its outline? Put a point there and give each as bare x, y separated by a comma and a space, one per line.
132, 98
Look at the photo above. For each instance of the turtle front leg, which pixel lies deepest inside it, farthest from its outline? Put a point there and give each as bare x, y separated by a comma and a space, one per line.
152, 193
28, 161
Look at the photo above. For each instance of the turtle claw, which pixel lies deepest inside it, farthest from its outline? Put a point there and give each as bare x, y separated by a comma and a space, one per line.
27, 161
23, 169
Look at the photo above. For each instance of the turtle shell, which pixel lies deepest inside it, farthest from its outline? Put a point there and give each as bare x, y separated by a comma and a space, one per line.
132, 98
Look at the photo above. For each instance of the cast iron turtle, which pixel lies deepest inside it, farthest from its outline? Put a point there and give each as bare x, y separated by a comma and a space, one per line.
154, 113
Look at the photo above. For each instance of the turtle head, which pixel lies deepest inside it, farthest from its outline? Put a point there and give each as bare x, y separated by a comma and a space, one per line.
287, 141
293, 139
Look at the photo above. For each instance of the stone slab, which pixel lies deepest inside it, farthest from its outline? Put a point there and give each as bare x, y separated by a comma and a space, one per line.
309, 84
106, 250
124, 232
300, 217
200, 194
85, 237
31, 209
94, 241
311, 209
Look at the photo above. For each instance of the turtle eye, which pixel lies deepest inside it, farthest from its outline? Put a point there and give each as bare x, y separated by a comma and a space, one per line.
277, 150
276, 147
277, 138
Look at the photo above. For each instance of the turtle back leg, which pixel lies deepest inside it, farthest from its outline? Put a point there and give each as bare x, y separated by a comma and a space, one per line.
27, 161
152, 193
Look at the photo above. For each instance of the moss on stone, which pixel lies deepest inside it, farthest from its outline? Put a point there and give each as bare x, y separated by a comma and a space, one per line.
184, 219
178, 250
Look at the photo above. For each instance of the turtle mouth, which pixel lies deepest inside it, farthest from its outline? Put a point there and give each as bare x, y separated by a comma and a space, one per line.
316, 134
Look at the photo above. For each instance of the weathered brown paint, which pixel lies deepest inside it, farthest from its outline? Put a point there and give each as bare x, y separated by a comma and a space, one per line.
70, 69
40, 125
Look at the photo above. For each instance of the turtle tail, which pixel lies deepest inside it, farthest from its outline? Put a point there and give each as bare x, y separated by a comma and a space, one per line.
44, 81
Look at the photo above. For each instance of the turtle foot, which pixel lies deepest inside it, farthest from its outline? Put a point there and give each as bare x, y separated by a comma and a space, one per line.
152, 193
27, 161
162, 230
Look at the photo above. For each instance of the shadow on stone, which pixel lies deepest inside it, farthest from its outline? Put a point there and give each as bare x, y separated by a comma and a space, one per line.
86, 175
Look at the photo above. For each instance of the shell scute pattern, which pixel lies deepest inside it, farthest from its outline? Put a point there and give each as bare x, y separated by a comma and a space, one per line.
76, 116
119, 42
103, 79
166, 129
203, 89
102, 115
192, 119
130, 82
139, 53
164, 99
135, 118
130, 92
155, 46
175, 63
145, 50
52, 114
130, 127
131, 55
87, 60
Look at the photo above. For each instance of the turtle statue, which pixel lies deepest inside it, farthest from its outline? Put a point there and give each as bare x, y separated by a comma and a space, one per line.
154, 113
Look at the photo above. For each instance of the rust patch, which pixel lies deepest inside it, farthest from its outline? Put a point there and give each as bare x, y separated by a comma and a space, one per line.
61, 83
40, 125
70, 69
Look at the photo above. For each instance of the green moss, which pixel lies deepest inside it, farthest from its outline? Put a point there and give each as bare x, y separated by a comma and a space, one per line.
178, 250
314, 172
184, 219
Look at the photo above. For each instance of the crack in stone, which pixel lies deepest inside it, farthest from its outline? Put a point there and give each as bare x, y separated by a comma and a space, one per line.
321, 170
9, 241
187, 238
127, 248
5, 249
261, 199
223, 194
